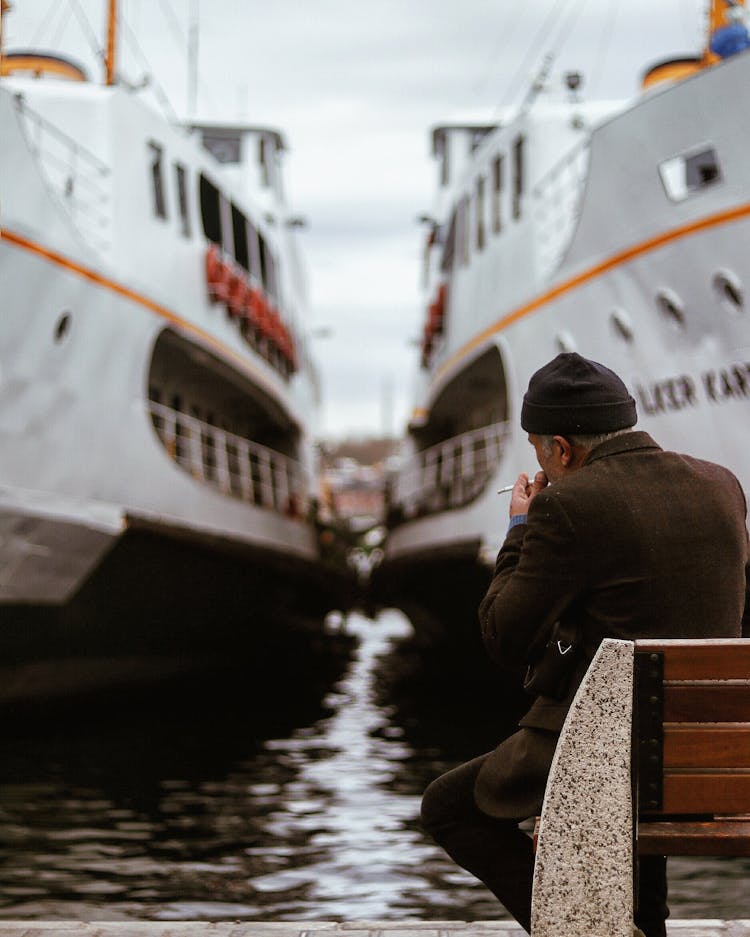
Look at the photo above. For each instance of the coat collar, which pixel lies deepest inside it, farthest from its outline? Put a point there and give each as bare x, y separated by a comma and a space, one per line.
628, 442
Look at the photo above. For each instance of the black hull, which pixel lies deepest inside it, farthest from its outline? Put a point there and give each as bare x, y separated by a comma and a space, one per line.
162, 608
442, 673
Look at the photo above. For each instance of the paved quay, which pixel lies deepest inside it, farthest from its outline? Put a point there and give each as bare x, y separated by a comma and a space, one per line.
322, 929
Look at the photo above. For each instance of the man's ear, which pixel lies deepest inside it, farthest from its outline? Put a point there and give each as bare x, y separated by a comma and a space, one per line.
566, 450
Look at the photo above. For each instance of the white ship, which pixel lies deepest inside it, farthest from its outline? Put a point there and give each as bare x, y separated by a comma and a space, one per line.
618, 230
157, 473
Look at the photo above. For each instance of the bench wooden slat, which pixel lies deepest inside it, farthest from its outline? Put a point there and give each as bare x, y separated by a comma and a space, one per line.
719, 659
707, 746
721, 837
706, 792
710, 702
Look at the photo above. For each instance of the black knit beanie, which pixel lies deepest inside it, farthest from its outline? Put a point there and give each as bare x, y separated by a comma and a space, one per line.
573, 395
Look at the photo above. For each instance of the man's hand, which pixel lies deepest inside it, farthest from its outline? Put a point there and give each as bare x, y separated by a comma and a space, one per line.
524, 492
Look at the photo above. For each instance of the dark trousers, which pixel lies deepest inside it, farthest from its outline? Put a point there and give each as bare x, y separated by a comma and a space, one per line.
501, 855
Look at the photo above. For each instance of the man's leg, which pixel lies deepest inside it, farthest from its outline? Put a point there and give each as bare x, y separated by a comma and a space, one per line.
652, 896
495, 851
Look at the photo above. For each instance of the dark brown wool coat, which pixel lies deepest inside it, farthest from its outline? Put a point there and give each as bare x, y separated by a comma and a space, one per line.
639, 542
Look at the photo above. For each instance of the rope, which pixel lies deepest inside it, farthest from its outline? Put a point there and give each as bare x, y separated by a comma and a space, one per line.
159, 92
532, 52
43, 25
87, 29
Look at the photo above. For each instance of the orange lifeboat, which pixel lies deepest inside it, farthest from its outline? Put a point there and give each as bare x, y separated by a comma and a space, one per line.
217, 275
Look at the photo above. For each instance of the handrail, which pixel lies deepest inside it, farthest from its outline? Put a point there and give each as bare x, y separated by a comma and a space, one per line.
69, 170
232, 464
449, 474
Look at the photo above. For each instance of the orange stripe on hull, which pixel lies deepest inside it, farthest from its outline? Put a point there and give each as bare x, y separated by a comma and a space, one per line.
92, 276
616, 260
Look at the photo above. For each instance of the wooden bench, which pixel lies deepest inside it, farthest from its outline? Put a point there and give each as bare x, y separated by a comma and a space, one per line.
654, 759
691, 757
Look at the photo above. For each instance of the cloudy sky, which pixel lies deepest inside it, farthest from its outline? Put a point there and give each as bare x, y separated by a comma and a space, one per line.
355, 86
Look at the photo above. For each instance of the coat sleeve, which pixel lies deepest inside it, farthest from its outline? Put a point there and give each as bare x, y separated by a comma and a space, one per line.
539, 574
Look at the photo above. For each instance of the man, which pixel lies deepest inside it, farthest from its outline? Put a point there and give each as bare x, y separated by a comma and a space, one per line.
613, 538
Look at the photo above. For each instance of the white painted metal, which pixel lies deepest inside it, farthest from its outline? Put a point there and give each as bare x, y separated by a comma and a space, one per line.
90, 278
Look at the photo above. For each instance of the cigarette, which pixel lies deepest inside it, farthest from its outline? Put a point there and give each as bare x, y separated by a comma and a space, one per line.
501, 491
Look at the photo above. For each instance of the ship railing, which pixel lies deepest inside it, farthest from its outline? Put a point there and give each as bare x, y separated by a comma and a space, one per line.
236, 466
77, 178
556, 200
449, 474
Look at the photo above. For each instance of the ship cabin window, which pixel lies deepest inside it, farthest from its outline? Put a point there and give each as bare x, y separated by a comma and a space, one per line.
254, 252
210, 211
480, 234
689, 173
264, 155
239, 230
157, 181
497, 189
462, 230
182, 199
449, 247
268, 269
518, 175
441, 150
272, 283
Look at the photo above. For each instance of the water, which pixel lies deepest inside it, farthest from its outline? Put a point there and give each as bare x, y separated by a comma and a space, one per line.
310, 814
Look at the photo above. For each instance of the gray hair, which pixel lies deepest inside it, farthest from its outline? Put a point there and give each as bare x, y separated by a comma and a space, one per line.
588, 441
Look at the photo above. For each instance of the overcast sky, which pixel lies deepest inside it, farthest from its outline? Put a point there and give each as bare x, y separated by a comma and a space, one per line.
355, 86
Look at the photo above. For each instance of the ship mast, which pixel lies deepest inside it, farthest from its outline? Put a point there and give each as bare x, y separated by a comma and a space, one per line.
111, 37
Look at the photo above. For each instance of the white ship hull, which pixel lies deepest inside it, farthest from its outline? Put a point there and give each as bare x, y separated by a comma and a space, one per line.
613, 255
142, 418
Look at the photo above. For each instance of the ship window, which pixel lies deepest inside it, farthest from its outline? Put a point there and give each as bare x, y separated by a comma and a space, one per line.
157, 181
254, 252
671, 306
565, 342
210, 211
688, 173
728, 290
63, 327
444, 161
480, 213
449, 248
462, 233
263, 160
622, 325
182, 198
240, 238
497, 189
263, 257
271, 280
518, 175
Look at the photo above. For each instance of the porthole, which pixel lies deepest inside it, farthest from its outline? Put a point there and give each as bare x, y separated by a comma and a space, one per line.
62, 329
622, 324
671, 307
728, 290
565, 342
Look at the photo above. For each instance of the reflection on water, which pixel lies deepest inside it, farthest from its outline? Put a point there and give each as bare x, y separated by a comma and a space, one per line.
205, 816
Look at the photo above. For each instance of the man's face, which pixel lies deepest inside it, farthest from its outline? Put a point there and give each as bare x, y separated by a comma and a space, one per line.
551, 460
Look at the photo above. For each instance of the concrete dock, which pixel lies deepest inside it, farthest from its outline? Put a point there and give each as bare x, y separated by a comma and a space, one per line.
322, 929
